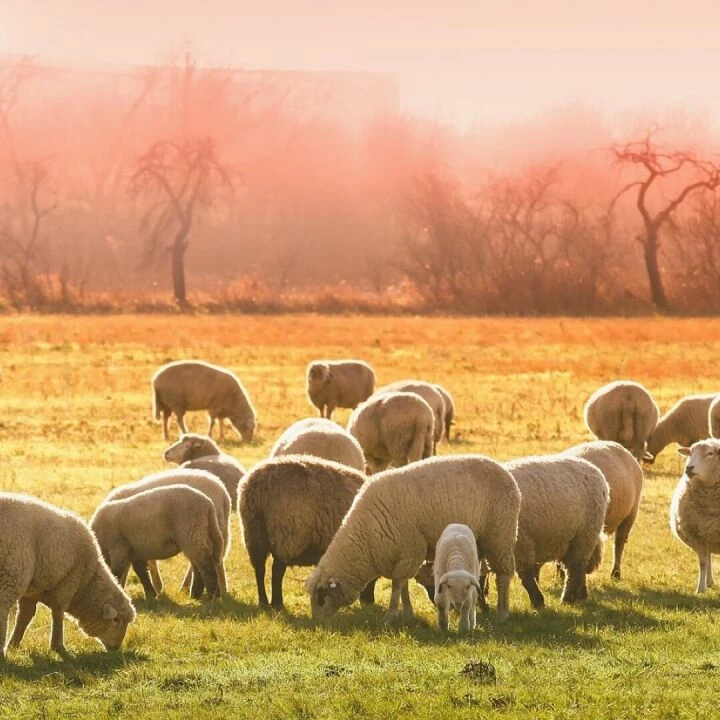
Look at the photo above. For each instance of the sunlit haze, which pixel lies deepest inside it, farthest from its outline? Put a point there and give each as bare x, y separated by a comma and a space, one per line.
461, 61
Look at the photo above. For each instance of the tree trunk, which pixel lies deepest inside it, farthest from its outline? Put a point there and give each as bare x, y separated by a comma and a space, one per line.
178, 270
657, 292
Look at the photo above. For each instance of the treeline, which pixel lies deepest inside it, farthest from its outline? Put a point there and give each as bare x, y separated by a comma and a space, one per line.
182, 186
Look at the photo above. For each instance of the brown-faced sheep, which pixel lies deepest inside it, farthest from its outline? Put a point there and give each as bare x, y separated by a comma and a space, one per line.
49, 555
339, 384
291, 508
685, 423
321, 438
186, 385
199, 452
625, 412
395, 428
625, 479
397, 518
695, 506
429, 393
200, 480
158, 524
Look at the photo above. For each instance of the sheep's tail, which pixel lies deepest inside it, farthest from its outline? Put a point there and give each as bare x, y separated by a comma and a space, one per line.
597, 553
252, 522
157, 405
627, 423
418, 444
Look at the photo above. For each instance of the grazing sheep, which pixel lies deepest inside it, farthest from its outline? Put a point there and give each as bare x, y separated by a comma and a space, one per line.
49, 555
456, 570
695, 506
199, 452
564, 501
625, 479
290, 508
428, 392
713, 419
338, 384
625, 412
196, 385
395, 428
685, 423
449, 409
203, 482
158, 524
321, 438
397, 518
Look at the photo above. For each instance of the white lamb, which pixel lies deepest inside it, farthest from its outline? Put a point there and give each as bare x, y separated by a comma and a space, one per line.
456, 570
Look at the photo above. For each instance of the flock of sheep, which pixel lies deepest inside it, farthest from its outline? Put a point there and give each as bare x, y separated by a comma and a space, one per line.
448, 522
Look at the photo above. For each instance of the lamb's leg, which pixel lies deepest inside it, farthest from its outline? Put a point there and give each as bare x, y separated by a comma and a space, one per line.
26, 613
472, 610
527, 577
57, 634
443, 618
278, 573
141, 570
621, 535
702, 577
465, 625
367, 596
709, 576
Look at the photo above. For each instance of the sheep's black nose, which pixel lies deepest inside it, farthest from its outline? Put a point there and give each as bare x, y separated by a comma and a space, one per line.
690, 470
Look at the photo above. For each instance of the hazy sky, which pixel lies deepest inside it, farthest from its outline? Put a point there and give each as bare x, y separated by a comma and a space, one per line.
457, 60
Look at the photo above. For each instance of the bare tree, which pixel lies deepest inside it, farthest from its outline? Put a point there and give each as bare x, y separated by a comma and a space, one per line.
681, 172
184, 177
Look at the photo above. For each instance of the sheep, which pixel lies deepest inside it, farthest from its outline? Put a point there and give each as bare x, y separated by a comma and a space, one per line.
395, 428
625, 412
49, 555
564, 501
338, 384
625, 480
428, 392
685, 423
199, 452
449, 409
397, 518
197, 385
157, 524
290, 508
713, 419
321, 438
456, 570
202, 481
695, 506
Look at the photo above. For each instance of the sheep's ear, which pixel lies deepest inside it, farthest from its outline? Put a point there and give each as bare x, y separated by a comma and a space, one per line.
333, 587
441, 587
683, 451
476, 583
109, 612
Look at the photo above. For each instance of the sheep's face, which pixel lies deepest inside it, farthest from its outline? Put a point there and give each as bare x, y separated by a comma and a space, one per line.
703, 461
318, 375
245, 426
326, 595
110, 627
456, 589
189, 447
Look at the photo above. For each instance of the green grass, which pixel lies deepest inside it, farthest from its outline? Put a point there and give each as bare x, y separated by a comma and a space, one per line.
75, 421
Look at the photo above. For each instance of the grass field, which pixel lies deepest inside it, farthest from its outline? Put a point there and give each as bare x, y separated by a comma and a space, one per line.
75, 421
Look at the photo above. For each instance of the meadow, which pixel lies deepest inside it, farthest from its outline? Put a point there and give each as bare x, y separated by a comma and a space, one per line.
75, 421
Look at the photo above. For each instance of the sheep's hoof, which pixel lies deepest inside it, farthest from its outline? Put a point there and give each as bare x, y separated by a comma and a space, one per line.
615, 574
277, 606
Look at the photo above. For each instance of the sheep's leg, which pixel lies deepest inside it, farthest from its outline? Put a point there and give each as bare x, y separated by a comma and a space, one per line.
181, 422
709, 576
211, 425
166, 420
4, 614
408, 613
443, 618
186, 583
57, 634
222, 578
621, 536
278, 573
472, 613
527, 577
141, 570
330, 411
208, 574
394, 607
702, 577
367, 596
466, 625
26, 613
155, 576
197, 586
575, 588
221, 424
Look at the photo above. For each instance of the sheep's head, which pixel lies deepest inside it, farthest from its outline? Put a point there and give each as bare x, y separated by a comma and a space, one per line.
319, 374
703, 461
190, 447
110, 623
327, 595
245, 425
457, 588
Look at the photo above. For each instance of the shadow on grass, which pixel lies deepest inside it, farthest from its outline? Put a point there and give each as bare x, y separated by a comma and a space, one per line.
75, 668
227, 607
666, 599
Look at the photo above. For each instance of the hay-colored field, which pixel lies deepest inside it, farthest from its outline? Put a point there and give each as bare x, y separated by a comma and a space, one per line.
75, 420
